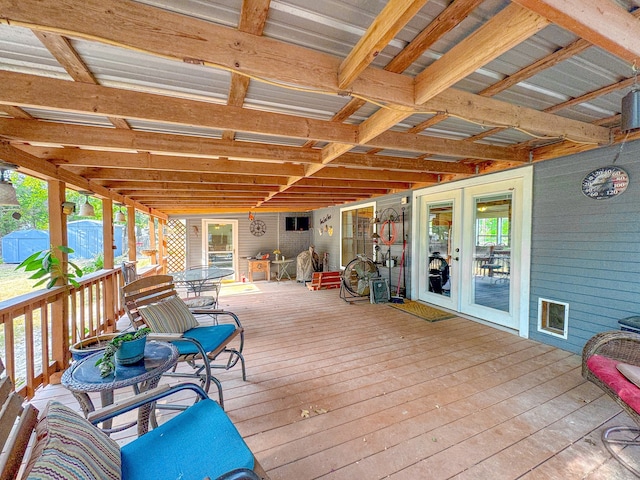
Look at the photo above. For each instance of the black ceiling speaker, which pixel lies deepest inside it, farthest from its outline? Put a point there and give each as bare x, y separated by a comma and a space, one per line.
630, 119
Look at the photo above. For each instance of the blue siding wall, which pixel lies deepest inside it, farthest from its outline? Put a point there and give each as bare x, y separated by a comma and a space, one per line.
585, 252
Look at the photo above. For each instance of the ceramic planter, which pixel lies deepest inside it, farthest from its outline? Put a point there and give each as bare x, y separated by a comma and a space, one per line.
131, 351
89, 346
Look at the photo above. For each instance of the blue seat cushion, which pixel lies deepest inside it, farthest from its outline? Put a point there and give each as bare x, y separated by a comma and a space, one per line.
210, 338
199, 442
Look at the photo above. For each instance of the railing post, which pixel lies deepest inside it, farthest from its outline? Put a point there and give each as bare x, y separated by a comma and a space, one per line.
131, 232
60, 308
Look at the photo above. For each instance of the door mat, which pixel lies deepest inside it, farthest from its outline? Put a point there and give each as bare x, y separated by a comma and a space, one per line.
419, 309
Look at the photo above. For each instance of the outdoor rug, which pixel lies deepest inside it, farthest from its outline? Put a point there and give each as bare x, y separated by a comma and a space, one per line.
430, 314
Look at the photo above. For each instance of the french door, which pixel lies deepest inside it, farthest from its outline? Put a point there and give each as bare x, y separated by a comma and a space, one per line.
219, 243
472, 249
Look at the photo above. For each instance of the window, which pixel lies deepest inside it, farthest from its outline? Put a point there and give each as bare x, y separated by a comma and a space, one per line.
355, 233
493, 221
553, 317
300, 224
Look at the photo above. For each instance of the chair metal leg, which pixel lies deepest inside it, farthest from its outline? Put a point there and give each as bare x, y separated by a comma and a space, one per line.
625, 441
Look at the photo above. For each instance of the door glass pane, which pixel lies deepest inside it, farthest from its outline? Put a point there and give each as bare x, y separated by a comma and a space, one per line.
220, 244
492, 251
440, 224
356, 233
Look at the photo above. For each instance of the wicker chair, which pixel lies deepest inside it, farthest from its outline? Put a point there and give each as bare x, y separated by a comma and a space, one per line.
601, 358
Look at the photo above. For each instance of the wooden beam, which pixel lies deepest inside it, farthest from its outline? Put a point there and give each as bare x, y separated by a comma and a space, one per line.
379, 162
603, 23
474, 108
100, 138
66, 55
136, 187
394, 16
47, 133
443, 23
15, 112
47, 171
502, 32
148, 161
141, 27
544, 63
169, 176
336, 184
412, 142
41, 92
374, 175
86, 158
253, 16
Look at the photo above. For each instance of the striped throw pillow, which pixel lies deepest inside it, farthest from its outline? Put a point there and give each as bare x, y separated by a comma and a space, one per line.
68, 446
168, 316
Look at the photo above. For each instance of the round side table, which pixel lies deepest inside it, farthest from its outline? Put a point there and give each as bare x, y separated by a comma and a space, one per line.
84, 377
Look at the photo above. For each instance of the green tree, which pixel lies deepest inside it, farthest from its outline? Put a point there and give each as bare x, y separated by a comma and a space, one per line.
33, 211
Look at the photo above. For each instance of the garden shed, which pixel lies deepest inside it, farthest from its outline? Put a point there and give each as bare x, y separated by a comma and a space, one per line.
18, 245
86, 238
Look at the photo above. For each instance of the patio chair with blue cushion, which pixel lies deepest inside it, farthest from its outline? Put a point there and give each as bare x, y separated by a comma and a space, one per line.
200, 442
153, 302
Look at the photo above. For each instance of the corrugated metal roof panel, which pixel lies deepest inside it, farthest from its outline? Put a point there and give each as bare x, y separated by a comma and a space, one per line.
254, 137
21, 51
68, 117
292, 101
223, 12
167, 128
130, 69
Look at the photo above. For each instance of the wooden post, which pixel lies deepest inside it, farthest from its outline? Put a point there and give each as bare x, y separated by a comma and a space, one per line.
108, 247
131, 232
162, 246
107, 233
59, 309
152, 240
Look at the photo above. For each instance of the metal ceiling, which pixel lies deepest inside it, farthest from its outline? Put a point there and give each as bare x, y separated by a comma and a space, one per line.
333, 28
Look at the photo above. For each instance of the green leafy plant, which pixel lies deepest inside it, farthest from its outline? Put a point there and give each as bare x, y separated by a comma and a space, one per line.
107, 362
48, 268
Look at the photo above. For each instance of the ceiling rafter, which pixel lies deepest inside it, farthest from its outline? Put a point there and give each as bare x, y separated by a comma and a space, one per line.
253, 17
383, 29
64, 53
603, 23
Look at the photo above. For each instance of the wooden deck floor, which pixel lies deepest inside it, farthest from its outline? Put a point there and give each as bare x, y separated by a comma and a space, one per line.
389, 395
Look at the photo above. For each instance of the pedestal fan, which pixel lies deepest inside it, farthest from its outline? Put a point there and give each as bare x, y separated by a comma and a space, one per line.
356, 277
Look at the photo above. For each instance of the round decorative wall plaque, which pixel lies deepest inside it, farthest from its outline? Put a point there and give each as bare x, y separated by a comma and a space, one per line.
258, 228
605, 182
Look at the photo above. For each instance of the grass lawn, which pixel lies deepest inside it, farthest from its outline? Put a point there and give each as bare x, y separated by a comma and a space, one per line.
13, 282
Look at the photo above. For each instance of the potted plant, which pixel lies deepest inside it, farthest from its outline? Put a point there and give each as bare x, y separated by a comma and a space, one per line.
48, 268
90, 345
124, 349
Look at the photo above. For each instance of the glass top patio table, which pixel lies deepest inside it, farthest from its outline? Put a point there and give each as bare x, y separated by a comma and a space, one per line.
195, 278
